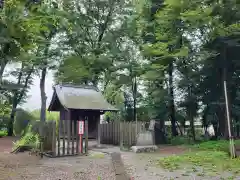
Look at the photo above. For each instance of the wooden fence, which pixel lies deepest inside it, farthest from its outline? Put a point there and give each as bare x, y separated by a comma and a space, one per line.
63, 140
120, 132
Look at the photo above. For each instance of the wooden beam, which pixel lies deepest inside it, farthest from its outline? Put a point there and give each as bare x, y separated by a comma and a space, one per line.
59, 133
86, 135
54, 138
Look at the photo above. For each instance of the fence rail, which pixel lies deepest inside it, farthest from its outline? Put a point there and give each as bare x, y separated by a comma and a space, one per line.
120, 132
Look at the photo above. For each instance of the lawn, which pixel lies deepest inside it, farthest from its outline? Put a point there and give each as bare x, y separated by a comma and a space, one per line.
208, 158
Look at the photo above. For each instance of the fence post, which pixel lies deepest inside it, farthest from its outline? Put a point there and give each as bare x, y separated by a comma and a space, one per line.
77, 137
121, 135
72, 135
64, 135
68, 135
99, 133
54, 138
58, 136
86, 135
41, 139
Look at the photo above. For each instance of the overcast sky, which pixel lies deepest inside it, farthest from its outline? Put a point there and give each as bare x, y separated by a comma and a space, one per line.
34, 100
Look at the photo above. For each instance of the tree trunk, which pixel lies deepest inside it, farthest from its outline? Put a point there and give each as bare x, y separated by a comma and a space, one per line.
14, 104
221, 121
237, 127
3, 65
228, 120
43, 94
11, 120
135, 99
192, 126
191, 118
180, 130
3, 60
17, 97
171, 100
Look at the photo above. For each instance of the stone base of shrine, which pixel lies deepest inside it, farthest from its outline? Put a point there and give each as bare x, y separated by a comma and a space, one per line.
143, 149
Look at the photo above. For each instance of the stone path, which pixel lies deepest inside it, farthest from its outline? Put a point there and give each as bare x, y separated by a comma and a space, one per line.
119, 167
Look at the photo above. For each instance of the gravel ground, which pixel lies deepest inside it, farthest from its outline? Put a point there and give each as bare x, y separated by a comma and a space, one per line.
22, 166
143, 167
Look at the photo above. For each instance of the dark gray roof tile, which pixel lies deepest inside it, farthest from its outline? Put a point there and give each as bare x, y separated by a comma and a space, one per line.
82, 97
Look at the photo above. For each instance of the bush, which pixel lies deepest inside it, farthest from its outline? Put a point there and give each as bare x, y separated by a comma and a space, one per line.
220, 145
3, 133
208, 160
21, 122
50, 116
29, 139
4, 122
181, 140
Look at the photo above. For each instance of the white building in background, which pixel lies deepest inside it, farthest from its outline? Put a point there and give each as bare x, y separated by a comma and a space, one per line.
210, 129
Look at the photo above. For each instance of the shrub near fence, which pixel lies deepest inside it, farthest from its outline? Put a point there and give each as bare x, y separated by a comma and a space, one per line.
47, 133
117, 132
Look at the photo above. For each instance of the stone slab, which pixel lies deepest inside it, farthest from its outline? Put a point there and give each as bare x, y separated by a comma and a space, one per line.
119, 167
142, 149
145, 139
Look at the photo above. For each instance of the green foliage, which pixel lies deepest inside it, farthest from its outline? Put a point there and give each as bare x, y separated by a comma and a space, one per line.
50, 116
181, 140
29, 139
211, 156
4, 121
210, 161
111, 116
151, 59
5, 109
220, 145
21, 122
3, 133
93, 39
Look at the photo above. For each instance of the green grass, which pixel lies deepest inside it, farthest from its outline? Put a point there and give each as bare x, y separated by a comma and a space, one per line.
180, 140
97, 155
220, 145
3, 133
217, 160
211, 157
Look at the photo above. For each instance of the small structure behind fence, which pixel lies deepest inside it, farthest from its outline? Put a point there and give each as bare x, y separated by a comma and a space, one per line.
120, 132
83, 104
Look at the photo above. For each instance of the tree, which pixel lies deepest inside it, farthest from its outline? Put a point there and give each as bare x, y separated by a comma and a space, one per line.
17, 40
128, 72
51, 18
95, 29
24, 77
167, 47
213, 22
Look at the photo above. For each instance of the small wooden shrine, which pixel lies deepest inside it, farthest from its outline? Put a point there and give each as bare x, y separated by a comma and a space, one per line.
77, 103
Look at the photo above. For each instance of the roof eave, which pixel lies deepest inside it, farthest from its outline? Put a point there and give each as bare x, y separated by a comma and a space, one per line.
105, 110
52, 100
